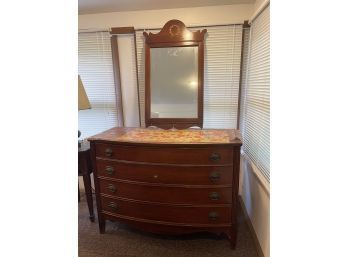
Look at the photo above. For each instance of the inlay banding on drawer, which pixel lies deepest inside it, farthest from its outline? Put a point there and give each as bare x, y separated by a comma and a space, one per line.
181, 214
166, 194
199, 227
175, 155
191, 175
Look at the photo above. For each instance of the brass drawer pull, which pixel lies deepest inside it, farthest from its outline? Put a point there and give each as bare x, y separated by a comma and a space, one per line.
214, 196
214, 157
112, 188
108, 152
113, 206
213, 216
109, 170
214, 176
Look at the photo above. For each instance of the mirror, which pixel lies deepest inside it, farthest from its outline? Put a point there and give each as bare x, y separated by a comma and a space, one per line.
174, 60
174, 82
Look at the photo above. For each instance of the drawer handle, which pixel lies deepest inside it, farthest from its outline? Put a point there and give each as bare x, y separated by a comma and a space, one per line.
109, 170
214, 196
108, 152
112, 188
113, 206
215, 157
214, 176
213, 216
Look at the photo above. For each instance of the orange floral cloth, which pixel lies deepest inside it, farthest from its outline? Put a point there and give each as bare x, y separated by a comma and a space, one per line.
175, 136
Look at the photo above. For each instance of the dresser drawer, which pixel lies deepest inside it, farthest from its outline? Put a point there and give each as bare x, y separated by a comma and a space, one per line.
175, 155
177, 214
166, 194
166, 174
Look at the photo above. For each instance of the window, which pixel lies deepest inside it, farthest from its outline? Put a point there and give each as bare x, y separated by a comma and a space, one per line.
96, 70
221, 74
255, 122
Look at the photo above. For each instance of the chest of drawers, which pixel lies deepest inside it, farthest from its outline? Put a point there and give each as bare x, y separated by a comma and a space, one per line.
168, 187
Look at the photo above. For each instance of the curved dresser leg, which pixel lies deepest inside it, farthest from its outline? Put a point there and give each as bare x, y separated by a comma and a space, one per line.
232, 237
101, 225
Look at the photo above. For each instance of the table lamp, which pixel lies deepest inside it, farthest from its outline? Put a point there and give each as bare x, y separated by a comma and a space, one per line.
83, 99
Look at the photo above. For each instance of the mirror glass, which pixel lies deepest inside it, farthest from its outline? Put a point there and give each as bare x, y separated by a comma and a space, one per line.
174, 82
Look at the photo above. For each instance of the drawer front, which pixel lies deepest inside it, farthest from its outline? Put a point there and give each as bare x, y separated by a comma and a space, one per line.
166, 194
174, 155
189, 175
177, 214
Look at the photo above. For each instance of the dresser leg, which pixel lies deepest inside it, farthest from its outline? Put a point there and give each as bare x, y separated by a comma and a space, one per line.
101, 225
232, 236
233, 242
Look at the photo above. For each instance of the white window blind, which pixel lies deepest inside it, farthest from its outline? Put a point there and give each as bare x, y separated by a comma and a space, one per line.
221, 74
223, 46
96, 70
256, 116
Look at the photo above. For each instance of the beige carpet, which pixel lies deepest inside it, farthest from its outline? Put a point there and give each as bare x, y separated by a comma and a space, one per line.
120, 240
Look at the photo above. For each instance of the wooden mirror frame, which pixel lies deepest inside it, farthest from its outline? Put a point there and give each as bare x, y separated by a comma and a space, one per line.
174, 34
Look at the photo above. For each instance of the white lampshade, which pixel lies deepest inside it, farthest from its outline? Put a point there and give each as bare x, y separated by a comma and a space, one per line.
83, 99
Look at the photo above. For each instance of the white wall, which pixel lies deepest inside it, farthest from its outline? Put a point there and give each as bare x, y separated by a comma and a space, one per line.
157, 18
255, 194
258, 6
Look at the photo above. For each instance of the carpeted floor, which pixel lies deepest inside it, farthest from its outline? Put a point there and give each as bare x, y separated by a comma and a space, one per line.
120, 240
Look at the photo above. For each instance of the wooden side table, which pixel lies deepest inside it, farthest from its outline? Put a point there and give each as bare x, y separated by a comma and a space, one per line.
85, 170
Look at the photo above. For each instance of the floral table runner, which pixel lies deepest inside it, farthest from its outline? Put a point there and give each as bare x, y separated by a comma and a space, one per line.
175, 136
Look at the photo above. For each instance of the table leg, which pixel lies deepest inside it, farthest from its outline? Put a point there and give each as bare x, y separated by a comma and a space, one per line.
78, 190
88, 189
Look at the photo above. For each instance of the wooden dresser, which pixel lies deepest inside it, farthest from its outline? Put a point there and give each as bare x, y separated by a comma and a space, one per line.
169, 182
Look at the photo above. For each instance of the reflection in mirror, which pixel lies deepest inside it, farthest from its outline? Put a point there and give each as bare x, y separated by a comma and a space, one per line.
174, 82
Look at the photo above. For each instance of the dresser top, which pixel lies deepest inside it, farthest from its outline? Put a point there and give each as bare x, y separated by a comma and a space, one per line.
161, 136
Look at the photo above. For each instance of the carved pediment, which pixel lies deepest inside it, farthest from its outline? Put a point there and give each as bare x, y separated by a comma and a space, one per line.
174, 30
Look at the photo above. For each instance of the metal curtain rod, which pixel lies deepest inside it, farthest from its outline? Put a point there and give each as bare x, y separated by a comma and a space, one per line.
93, 30
194, 26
